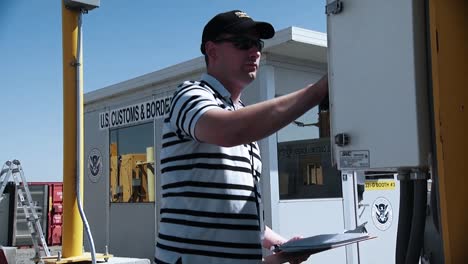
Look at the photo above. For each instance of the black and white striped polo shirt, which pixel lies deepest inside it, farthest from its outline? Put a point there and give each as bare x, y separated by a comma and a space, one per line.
210, 197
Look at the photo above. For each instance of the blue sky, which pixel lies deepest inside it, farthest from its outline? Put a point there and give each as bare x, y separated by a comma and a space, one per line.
122, 39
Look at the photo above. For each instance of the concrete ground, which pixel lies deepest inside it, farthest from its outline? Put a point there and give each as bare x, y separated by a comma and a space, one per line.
24, 255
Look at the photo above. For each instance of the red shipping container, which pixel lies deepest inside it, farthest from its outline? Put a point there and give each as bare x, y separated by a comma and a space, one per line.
55, 214
57, 208
57, 219
56, 235
57, 193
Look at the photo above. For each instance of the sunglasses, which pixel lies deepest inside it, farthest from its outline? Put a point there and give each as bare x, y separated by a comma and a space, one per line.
243, 43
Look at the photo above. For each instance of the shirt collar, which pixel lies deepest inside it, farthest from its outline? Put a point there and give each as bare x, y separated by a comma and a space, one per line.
215, 84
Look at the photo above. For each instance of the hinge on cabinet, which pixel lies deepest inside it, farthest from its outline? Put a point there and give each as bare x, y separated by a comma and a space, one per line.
334, 7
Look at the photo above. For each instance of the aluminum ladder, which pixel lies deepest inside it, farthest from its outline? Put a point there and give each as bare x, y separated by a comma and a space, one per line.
13, 169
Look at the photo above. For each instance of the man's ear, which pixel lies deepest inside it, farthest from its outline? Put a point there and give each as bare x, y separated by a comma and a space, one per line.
211, 50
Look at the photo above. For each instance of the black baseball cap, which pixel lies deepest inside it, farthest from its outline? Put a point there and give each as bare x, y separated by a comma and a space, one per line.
234, 22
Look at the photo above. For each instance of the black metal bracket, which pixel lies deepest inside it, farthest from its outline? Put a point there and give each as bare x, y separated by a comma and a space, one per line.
334, 7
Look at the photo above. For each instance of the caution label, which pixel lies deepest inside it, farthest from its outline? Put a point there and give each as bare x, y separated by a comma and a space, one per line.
380, 185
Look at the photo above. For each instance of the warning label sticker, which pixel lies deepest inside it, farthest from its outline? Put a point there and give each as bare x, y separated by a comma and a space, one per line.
354, 159
375, 185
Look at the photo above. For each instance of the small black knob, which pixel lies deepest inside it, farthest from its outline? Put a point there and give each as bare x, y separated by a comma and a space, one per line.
342, 139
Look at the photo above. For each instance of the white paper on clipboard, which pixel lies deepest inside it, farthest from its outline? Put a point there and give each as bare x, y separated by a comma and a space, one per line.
319, 243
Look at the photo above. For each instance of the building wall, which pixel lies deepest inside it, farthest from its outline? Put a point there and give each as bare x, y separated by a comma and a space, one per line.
119, 225
298, 216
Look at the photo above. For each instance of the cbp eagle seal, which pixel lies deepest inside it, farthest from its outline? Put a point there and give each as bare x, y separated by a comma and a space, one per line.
382, 213
94, 165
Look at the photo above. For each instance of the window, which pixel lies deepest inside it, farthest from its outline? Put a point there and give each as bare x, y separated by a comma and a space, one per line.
304, 158
314, 174
132, 164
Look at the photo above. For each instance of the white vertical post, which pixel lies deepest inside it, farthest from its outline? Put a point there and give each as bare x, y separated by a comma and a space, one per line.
270, 183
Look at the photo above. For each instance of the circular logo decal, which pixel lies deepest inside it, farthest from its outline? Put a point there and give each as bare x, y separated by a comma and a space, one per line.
94, 165
382, 213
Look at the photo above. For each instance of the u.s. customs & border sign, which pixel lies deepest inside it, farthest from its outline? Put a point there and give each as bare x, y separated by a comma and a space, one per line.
135, 113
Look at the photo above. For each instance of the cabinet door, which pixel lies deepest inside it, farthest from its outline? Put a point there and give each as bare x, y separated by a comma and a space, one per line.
378, 93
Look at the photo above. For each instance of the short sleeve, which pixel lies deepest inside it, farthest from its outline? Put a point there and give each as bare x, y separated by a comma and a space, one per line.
189, 103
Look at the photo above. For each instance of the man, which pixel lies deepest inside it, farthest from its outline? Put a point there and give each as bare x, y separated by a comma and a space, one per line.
211, 208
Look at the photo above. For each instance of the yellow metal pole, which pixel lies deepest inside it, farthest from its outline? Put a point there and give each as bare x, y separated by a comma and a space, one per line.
448, 44
72, 233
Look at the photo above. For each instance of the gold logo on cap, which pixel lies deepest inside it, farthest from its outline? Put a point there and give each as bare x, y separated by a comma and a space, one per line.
241, 14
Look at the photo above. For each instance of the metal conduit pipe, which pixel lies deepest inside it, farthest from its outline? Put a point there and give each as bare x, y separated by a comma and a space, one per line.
79, 143
435, 206
404, 220
416, 237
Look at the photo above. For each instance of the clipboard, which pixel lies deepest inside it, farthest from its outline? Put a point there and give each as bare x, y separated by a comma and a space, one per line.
315, 244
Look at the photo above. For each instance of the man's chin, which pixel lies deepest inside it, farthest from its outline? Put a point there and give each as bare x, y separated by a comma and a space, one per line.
253, 75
